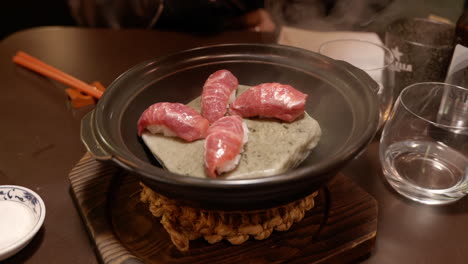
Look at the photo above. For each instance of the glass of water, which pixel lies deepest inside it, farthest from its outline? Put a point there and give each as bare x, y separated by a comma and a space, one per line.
373, 58
424, 144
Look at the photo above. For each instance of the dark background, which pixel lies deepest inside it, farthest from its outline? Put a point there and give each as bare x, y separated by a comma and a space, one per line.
371, 15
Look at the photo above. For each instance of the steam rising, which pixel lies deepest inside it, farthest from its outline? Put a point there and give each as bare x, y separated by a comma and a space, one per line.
325, 14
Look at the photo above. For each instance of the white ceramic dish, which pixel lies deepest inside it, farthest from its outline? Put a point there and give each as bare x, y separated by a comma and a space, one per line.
22, 213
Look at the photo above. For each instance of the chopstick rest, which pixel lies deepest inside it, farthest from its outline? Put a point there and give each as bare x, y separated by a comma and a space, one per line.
78, 99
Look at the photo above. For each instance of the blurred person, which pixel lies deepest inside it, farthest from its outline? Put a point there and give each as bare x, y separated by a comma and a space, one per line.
180, 15
22, 14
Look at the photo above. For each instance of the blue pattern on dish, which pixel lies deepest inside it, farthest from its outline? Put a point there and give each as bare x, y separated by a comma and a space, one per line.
20, 195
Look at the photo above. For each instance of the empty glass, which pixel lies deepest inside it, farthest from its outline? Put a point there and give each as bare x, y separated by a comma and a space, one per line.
375, 59
424, 144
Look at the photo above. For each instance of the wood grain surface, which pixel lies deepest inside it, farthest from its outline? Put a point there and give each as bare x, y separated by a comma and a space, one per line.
341, 228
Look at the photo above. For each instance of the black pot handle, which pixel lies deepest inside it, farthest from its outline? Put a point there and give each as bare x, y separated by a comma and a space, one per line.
88, 137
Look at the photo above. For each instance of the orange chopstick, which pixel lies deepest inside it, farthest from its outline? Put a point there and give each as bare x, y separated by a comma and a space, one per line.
44, 65
36, 65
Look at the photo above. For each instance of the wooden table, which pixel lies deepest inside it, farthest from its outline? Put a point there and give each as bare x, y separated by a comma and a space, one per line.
40, 144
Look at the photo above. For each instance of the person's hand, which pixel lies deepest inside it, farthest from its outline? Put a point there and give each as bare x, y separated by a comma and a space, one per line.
259, 21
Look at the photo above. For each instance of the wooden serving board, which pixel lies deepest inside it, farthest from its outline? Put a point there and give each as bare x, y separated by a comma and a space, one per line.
341, 228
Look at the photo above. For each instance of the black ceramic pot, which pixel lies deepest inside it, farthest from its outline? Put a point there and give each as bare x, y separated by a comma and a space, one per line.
341, 99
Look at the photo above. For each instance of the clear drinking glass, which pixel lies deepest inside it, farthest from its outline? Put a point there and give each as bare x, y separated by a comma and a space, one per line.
424, 144
375, 59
